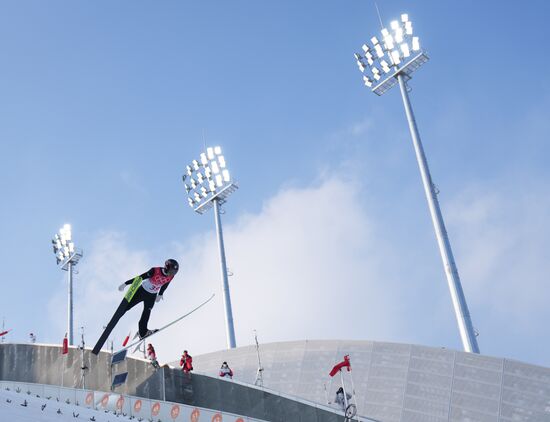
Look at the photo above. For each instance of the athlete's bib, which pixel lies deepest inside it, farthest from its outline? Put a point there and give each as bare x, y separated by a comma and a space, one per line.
158, 279
133, 288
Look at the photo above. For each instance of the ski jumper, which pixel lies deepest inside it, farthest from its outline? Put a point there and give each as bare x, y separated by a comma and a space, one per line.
144, 289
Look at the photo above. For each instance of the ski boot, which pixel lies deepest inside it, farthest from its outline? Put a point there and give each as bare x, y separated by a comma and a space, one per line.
147, 334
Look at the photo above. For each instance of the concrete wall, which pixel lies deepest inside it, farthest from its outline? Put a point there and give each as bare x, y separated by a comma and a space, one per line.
44, 364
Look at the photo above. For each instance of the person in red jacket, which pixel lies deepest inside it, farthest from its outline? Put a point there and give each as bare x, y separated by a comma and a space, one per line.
152, 355
186, 362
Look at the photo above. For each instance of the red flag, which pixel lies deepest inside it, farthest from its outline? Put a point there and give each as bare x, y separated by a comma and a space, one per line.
65, 348
125, 342
338, 367
3, 333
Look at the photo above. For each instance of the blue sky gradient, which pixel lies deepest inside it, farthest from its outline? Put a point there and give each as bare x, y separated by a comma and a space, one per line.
104, 103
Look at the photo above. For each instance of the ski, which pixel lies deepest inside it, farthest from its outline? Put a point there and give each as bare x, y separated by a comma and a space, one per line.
139, 341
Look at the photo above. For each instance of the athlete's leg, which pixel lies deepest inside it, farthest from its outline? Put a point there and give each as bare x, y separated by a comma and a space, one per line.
124, 307
148, 303
121, 310
140, 296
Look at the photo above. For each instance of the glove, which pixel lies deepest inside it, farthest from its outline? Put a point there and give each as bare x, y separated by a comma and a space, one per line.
121, 287
159, 298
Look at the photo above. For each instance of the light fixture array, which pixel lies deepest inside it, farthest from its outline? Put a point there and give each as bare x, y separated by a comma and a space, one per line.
206, 178
63, 247
393, 49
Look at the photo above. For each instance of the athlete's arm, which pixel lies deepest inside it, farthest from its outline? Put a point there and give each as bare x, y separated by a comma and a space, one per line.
163, 288
144, 276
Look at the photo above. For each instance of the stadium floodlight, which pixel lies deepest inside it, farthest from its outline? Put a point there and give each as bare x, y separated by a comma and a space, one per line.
67, 256
405, 55
208, 184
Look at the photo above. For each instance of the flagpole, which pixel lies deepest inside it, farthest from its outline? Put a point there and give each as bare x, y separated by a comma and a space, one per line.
344, 389
62, 369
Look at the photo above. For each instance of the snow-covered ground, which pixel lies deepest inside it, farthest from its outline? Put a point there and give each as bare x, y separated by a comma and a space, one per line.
13, 409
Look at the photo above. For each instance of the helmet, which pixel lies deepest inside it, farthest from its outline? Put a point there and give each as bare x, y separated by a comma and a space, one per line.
171, 267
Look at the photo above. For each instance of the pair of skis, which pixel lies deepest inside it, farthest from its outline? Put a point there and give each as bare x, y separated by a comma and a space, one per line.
139, 341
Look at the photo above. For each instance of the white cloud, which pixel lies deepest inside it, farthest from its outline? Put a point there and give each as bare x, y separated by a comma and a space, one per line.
304, 267
502, 239
362, 127
318, 262
309, 265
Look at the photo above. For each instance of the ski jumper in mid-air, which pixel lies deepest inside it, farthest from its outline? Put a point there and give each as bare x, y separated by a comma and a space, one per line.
147, 288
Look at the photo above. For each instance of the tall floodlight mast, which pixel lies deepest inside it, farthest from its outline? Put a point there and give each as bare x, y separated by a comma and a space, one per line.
67, 256
208, 184
391, 61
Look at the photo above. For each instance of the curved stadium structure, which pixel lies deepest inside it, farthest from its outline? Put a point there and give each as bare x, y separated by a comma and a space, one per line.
398, 382
393, 382
43, 372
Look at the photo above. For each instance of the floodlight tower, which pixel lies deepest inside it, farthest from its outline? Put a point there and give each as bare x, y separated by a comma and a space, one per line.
67, 256
208, 184
391, 61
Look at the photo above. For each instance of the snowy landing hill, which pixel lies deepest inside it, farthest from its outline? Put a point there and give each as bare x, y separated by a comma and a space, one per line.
22, 407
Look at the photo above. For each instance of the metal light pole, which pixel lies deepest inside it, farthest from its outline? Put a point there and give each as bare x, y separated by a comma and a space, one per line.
70, 307
229, 328
397, 47
208, 185
67, 257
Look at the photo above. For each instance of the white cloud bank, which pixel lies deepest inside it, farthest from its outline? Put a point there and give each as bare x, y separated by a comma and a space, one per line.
503, 242
303, 268
315, 263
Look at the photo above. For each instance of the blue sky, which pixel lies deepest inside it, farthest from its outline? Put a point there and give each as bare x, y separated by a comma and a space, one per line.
329, 236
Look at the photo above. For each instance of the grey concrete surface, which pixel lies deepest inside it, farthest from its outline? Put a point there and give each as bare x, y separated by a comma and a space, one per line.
398, 382
44, 364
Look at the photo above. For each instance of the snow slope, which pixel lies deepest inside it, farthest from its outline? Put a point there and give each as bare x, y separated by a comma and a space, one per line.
42, 409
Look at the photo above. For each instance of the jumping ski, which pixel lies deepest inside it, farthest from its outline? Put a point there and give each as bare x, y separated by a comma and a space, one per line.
139, 341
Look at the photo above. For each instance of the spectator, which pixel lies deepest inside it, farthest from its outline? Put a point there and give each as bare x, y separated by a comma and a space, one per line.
186, 362
151, 354
32, 338
340, 398
225, 371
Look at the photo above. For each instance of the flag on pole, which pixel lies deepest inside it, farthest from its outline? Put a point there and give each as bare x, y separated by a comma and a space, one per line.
338, 367
125, 342
3, 333
65, 348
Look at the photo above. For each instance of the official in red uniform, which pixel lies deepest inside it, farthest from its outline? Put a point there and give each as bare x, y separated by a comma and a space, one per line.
186, 362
